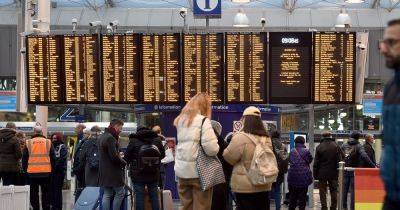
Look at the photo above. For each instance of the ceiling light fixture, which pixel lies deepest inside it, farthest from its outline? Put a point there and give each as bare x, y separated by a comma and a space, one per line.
241, 19
343, 20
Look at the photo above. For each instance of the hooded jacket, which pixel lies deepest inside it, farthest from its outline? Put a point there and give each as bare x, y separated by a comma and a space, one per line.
10, 151
327, 158
362, 156
142, 137
299, 174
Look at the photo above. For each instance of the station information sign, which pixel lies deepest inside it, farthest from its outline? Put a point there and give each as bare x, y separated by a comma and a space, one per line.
121, 65
290, 67
44, 73
334, 67
161, 68
203, 66
246, 67
81, 69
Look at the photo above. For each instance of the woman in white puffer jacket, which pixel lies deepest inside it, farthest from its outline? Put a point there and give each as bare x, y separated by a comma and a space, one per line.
188, 125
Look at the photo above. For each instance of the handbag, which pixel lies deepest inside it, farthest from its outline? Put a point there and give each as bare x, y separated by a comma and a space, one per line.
209, 168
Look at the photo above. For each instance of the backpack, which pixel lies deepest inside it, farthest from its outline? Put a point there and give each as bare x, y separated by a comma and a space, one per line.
149, 158
283, 164
351, 156
93, 155
264, 168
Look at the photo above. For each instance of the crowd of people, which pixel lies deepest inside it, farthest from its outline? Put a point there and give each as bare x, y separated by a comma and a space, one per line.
100, 162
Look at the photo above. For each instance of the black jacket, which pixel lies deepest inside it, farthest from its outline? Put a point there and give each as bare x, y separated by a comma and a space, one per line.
142, 137
111, 165
91, 175
362, 158
10, 151
60, 162
25, 158
280, 149
327, 158
228, 168
371, 154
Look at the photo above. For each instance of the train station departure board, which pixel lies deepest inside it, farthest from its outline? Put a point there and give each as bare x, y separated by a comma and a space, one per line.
203, 66
290, 67
121, 65
81, 69
246, 68
44, 71
160, 67
334, 67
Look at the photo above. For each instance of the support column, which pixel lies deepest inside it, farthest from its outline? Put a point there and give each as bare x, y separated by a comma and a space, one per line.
42, 112
312, 151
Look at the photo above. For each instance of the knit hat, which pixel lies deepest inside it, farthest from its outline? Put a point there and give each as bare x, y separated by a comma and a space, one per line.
299, 140
216, 126
252, 111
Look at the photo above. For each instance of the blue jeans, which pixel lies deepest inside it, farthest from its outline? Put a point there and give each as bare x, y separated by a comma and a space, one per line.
117, 198
348, 187
152, 189
276, 192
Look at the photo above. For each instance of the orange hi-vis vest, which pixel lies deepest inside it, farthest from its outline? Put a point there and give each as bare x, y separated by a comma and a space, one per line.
39, 155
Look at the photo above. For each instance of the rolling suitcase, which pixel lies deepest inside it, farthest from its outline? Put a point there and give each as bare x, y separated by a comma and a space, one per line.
168, 203
89, 199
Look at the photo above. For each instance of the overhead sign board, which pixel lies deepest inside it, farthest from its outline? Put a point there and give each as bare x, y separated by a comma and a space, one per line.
207, 8
8, 101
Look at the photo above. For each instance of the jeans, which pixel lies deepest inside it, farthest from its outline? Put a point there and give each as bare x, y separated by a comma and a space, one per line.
152, 189
118, 197
333, 188
276, 194
298, 197
348, 187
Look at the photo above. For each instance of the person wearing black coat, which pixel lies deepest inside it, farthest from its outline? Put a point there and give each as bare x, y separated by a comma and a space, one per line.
10, 154
140, 178
59, 170
369, 141
111, 166
327, 157
89, 149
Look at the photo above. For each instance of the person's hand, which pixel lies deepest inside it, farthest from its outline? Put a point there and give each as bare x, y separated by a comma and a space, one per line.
121, 154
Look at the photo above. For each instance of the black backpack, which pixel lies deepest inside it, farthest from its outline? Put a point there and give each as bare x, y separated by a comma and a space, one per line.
93, 155
149, 158
283, 164
351, 156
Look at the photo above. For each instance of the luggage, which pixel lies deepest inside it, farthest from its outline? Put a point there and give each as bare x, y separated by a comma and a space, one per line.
166, 202
89, 199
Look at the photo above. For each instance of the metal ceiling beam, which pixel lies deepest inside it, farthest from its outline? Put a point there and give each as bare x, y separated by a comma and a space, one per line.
394, 6
375, 4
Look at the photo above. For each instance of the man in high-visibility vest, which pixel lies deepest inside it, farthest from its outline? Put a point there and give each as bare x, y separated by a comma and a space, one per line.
37, 160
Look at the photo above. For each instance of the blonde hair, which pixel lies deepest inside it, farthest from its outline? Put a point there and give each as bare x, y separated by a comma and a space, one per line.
199, 104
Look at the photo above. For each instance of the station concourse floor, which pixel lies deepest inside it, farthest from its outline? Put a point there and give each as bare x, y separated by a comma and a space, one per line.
68, 201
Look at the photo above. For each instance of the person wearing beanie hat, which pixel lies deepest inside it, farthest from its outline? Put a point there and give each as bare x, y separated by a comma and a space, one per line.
355, 157
38, 160
239, 153
299, 175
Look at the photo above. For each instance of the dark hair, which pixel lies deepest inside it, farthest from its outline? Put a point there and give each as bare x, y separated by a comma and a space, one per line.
275, 134
58, 135
115, 122
355, 135
394, 22
299, 140
254, 125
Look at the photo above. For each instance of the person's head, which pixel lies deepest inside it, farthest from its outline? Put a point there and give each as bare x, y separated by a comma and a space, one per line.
199, 104
38, 130
252, 122
157, 129
95, 129
299, 140
355, 135
217, 127
56, 137
276, 134
390, 45
86, 133
117, 124
326, 134
170, 143
20, 135
11, 125
370, 138
79, 128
